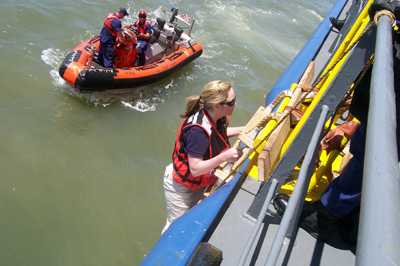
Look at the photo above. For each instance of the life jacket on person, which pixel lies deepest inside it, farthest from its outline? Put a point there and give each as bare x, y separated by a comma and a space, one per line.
142, 29
218, 141
107, 23
125, 49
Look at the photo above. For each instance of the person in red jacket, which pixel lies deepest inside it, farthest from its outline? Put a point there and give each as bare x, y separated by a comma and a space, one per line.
143, 33
201, 144
111, 28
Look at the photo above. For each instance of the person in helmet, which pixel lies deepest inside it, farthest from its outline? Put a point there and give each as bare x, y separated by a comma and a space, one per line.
111, 28
143, 33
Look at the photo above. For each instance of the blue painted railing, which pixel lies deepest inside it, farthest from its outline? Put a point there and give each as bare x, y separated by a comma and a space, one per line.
177, 244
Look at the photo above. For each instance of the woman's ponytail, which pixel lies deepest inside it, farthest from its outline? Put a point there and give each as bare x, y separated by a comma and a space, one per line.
214, 92
193, 104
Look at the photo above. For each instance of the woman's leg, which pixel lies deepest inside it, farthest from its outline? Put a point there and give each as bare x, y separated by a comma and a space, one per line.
178, 198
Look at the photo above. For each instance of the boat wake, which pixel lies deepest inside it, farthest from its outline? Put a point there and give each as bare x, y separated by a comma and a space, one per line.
139, 106
53, 58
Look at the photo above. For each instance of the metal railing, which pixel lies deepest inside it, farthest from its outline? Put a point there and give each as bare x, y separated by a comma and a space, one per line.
291, 215
379, 237
251, 242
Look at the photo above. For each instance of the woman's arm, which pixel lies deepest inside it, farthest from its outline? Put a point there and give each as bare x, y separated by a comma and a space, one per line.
234, 131
199, 166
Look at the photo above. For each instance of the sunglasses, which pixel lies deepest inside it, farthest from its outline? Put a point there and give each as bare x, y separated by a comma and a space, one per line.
231, 102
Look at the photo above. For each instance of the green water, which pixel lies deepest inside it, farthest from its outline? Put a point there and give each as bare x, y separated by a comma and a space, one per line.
80, 174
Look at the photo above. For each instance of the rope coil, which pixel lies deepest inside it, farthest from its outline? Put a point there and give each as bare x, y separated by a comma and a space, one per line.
384, 13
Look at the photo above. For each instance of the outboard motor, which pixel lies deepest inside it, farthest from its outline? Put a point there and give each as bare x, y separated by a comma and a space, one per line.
178, 33
160, 23
174, 13
155, 35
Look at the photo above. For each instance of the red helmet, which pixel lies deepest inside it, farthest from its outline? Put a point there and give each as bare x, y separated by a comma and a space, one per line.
142, 14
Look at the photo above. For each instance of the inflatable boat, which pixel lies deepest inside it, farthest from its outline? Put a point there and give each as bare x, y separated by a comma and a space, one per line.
170, 47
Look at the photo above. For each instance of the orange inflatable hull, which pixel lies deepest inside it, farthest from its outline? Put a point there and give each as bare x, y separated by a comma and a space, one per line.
79, 71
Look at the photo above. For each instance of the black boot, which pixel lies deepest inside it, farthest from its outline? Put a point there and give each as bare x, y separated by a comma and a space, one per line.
323, 226
349, 228
280, 202
337, 23
317, 221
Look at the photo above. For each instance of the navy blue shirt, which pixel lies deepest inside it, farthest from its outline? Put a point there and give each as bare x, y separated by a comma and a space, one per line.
195, 142
105, 34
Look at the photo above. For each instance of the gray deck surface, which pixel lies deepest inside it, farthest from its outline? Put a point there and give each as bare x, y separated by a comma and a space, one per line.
235, 228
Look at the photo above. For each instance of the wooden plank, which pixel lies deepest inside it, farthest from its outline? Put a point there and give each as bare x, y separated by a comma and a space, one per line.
304, 85
259, 116
246, 140
274, 144
221, 174
305, 81
262, 171
278, 137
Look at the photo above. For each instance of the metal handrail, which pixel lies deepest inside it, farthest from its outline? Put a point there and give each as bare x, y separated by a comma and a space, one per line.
295, 203
251, 242
379, 234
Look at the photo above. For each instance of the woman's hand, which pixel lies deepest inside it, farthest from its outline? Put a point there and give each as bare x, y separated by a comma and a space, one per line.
230, 155
234, 131
198, 166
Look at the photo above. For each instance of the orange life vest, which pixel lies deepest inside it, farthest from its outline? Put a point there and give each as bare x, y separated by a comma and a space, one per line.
142, 29
218, 141
107, 23
125, 50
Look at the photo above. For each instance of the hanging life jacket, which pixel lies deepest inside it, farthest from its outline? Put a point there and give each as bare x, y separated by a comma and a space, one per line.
107, 23
218, 141
142, 29
125, 50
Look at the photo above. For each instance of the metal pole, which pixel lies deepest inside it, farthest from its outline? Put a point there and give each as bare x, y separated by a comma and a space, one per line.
251, 242
379, 237
297, 198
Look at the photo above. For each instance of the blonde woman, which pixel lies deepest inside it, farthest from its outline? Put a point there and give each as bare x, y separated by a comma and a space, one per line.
201, 144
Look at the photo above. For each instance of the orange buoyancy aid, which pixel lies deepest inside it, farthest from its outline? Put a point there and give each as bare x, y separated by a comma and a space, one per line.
125, 50
107, 23
125, 55
218, 141
142, 29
